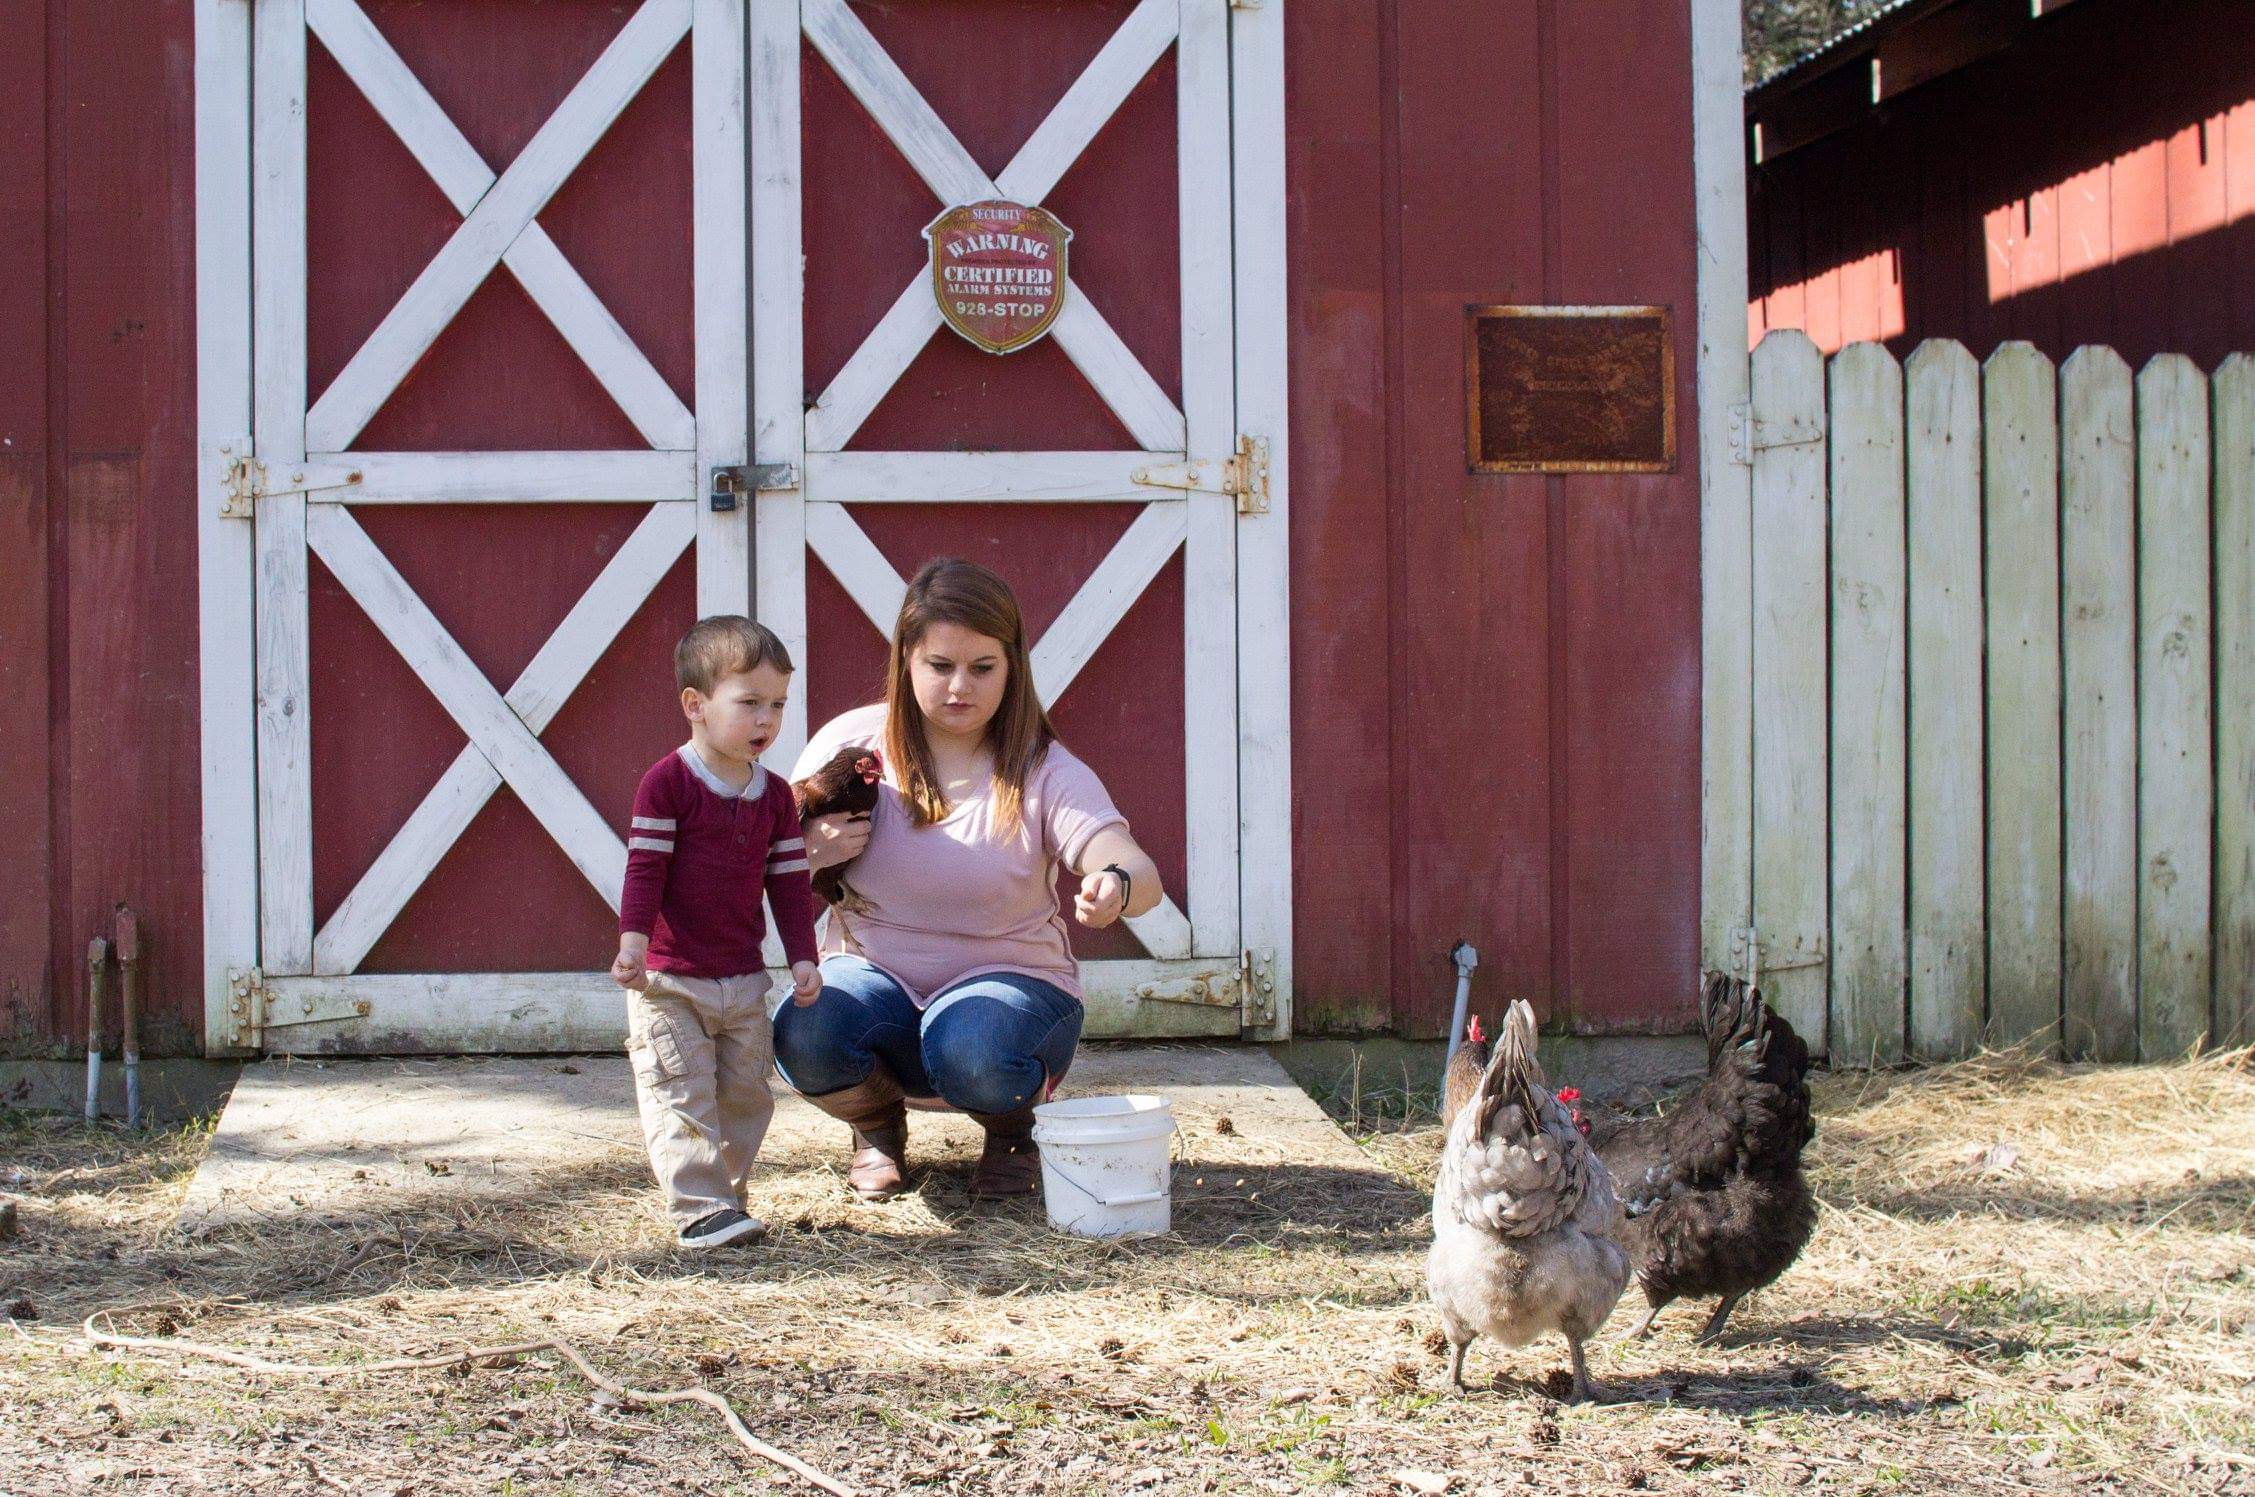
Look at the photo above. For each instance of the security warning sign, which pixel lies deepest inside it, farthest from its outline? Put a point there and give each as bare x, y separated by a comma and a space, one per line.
998, 269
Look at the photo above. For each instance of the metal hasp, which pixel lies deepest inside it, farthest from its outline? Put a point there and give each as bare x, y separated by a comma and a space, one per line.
1243, 477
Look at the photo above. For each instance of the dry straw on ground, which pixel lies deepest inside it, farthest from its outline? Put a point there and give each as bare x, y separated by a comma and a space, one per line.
2025, 1277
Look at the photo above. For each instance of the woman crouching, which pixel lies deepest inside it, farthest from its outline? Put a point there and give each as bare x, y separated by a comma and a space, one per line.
947, 972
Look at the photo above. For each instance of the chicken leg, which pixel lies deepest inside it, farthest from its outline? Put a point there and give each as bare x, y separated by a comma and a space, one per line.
1715, 1322
1642, 1330
1456, 1363
1580, 1393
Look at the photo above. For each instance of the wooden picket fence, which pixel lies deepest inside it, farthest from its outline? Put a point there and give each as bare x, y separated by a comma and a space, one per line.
2002, 642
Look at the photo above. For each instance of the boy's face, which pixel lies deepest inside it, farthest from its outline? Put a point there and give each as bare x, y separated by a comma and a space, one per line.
743, 713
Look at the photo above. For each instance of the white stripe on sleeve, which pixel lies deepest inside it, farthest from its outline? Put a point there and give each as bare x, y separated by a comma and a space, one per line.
796, 865
653, 823
792, 844
649, 844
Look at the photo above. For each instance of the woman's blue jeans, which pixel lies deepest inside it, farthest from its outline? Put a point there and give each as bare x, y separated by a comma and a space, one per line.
986, 1045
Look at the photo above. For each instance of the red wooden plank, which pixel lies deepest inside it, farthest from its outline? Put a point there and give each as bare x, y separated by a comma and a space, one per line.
2198, 262
1471, 750
1343, 264
26, 998
1625, 612
126, 769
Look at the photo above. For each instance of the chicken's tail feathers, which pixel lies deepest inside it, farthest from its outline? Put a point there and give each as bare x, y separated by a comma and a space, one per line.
1749, 1038
1513, 1072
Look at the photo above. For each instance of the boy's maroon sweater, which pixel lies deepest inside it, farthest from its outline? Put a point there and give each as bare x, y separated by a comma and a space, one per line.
696, 863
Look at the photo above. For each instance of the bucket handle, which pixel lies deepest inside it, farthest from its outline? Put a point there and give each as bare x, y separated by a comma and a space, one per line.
1139, 1199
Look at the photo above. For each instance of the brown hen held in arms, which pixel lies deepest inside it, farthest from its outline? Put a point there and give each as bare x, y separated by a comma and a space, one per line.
846, 785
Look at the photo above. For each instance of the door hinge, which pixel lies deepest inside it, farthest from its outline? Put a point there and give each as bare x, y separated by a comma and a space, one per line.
248, 480
1216, 989
1750, 956
254, 1006
1258, 975
1243, 477
1749, 434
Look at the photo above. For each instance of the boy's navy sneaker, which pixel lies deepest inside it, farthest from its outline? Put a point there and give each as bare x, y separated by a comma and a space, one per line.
722, 1226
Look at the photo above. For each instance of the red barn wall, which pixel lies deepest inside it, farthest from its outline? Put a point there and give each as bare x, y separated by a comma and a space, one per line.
2093, 184
1496, 679
98, 736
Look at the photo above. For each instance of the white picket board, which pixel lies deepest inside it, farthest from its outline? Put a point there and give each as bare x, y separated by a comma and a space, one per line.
226, 616
538, 694
719, 167
501, 215
1869, 942
2020, 500
1948, 941
2098, 645
1790, 805
472, 1013
285, 734
610, 477
1209, 555
983, 477
441, 149
1726, 535
779, 542
1264, 581
2235, 700
2175, 874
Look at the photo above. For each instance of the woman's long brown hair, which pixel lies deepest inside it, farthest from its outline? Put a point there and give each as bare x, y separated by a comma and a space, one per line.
963, 593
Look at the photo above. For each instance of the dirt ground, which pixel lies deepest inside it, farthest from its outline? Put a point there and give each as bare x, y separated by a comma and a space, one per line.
2025, 1278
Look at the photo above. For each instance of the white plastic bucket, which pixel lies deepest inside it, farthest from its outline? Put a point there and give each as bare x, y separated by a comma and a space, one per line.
1105, 1164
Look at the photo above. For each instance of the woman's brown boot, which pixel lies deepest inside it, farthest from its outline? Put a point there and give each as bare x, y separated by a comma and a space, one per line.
1010, 1164
874, 1111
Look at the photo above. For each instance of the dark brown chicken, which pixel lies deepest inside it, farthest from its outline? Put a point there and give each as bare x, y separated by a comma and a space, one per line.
1713, 1186
848, 783
1462, 1078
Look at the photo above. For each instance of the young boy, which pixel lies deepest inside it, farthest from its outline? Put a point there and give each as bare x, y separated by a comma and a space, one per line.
711, 830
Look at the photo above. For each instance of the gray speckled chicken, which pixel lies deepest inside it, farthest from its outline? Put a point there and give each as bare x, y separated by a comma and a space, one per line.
1526, 1228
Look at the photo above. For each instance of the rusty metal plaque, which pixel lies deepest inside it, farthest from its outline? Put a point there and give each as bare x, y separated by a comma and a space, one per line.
1570, 390
998, 269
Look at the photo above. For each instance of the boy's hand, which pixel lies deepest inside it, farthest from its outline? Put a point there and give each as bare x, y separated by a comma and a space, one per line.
806, 983
631, 968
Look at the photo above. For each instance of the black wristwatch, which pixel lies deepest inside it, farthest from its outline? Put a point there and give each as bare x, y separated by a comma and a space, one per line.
1127, 884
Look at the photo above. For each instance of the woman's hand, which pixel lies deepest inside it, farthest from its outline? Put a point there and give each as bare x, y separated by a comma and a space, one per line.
1100, 900
834, 839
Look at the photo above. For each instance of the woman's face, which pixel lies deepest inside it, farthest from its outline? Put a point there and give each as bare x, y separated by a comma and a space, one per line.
959, 677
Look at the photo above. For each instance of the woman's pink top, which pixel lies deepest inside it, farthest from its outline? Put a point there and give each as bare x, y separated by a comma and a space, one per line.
956, 899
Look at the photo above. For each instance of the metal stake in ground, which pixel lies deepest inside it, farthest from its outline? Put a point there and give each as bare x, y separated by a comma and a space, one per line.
97, 983
128, 930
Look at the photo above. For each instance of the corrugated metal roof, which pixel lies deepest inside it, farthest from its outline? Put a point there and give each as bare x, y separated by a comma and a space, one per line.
1847, 40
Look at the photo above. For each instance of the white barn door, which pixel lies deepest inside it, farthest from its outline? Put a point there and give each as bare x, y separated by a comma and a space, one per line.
1197, 473
300, 476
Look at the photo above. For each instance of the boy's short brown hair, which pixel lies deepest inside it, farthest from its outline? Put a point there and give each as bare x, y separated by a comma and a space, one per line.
727, 644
